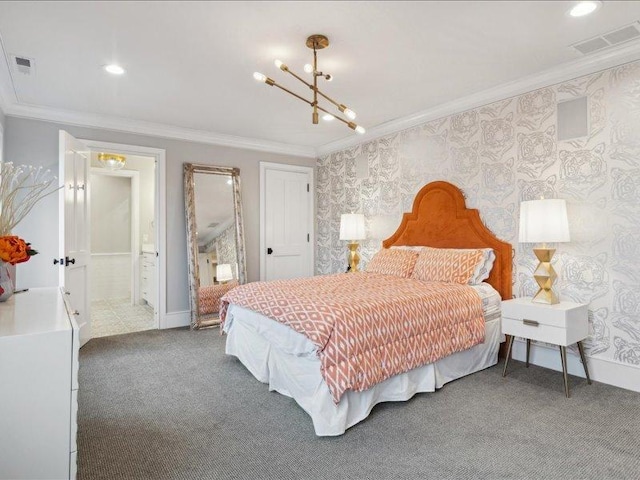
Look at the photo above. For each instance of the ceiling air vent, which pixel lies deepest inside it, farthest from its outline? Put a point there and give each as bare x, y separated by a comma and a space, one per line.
609, 39
24, 65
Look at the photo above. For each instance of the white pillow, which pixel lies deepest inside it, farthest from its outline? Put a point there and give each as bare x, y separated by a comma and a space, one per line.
482, 270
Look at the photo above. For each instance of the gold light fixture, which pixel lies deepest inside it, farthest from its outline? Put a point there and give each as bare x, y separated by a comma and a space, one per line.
544, 221
111, 161
315, 42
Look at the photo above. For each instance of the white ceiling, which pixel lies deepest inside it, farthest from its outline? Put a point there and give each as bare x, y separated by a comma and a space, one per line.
190, 64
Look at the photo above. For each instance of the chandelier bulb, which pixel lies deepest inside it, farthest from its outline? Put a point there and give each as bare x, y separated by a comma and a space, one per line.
260, 76
327, 117
308, 68
360, 129
350, 113
281, 65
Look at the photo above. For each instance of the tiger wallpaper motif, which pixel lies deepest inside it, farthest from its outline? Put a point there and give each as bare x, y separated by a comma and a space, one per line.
499, 155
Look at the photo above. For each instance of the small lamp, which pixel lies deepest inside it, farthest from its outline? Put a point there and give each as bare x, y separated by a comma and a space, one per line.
352, 229
223, 272
543, 221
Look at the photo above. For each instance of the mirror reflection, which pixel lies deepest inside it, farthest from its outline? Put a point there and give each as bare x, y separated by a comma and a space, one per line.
214, 231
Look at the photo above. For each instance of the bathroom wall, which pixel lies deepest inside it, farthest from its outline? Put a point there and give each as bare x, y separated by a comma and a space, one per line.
110, 237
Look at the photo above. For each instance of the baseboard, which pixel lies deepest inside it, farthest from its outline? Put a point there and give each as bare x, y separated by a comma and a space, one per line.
176, 319
604, 371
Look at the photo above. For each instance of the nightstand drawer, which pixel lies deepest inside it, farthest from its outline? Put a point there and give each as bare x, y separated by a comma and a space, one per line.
561, 315
527, 328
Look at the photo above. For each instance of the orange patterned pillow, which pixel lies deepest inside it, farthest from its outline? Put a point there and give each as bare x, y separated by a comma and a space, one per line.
393, 262
447, 265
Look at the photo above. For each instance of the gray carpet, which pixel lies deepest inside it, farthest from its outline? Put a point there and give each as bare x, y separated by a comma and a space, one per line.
171, 405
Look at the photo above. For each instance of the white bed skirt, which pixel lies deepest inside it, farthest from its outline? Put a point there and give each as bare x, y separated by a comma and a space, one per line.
298, 376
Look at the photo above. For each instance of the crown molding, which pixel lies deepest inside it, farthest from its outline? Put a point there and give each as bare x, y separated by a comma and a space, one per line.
576, 68
567, 71
128, 125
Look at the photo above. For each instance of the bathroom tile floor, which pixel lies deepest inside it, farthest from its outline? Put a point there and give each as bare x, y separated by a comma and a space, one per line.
116, 316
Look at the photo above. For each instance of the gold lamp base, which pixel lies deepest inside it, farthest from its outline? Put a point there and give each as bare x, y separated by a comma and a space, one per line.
354, 257
545, 275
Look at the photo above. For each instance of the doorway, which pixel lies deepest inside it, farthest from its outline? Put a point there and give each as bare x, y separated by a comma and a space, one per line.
122, 219
286, 221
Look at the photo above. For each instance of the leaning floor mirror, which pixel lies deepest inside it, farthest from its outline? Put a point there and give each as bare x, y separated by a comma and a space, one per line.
215, 238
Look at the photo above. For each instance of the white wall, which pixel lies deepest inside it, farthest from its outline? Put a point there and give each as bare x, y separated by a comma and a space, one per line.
2, 122
35, 142
145, 166
110, 214
110, 276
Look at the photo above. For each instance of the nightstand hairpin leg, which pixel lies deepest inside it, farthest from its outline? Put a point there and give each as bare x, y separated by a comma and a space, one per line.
584, 362
528, 350
506, 360
563, 357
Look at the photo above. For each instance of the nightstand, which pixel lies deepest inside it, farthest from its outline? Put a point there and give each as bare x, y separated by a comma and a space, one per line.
562, 324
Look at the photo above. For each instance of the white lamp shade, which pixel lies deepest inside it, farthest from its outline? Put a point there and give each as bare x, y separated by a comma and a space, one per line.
543, 221
352, 226
223, 272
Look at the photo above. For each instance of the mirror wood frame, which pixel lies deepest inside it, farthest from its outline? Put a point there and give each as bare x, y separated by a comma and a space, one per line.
190, 169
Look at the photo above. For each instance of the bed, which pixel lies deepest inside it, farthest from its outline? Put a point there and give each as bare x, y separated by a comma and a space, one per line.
209, 296
299, 365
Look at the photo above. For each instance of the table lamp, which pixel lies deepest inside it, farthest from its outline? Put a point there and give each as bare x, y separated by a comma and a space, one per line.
544, 221
352, 229
223, 272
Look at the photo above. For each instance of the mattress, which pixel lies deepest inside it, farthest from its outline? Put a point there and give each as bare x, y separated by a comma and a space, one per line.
287, 361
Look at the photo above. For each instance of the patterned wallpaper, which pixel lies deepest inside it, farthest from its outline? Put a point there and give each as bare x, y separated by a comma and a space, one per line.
499, 155
226, 249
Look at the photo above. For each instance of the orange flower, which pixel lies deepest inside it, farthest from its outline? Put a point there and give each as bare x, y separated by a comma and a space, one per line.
14, 250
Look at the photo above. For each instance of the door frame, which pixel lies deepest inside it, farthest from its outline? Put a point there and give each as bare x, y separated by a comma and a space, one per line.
160, 214
134, 177
264, 166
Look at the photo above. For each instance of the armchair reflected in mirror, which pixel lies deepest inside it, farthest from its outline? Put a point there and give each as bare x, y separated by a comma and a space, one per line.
215, 238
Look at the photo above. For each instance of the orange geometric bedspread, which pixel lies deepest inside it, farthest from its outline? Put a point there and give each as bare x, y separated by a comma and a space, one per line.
209, 296
367, 326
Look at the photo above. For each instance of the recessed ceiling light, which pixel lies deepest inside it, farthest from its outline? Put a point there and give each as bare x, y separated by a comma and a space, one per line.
584, 8
114, 69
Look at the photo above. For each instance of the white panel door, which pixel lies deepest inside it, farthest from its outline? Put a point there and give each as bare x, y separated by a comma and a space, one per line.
74, 229
288, 224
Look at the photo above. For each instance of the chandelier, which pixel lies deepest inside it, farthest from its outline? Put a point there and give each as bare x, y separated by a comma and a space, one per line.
315, 42
111, 161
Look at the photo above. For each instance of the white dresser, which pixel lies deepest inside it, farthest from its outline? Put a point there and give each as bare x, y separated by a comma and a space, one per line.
39, 342
148, 277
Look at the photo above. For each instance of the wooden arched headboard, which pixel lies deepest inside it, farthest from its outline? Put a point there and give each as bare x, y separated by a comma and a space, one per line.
440, 219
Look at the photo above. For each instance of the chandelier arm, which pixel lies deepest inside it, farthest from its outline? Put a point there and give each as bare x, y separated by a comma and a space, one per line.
329, 99
335, 116
275, 84
300, 78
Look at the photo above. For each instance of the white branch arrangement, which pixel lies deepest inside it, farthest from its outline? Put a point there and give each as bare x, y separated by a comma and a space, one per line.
21, 187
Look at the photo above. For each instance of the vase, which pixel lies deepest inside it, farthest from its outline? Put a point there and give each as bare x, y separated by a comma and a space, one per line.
6, 281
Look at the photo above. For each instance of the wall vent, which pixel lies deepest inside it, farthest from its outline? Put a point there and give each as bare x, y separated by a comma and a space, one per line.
609, 39
24, 65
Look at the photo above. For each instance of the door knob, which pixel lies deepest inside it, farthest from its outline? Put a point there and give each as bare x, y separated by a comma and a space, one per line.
269, 251
68, 261
58, 261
